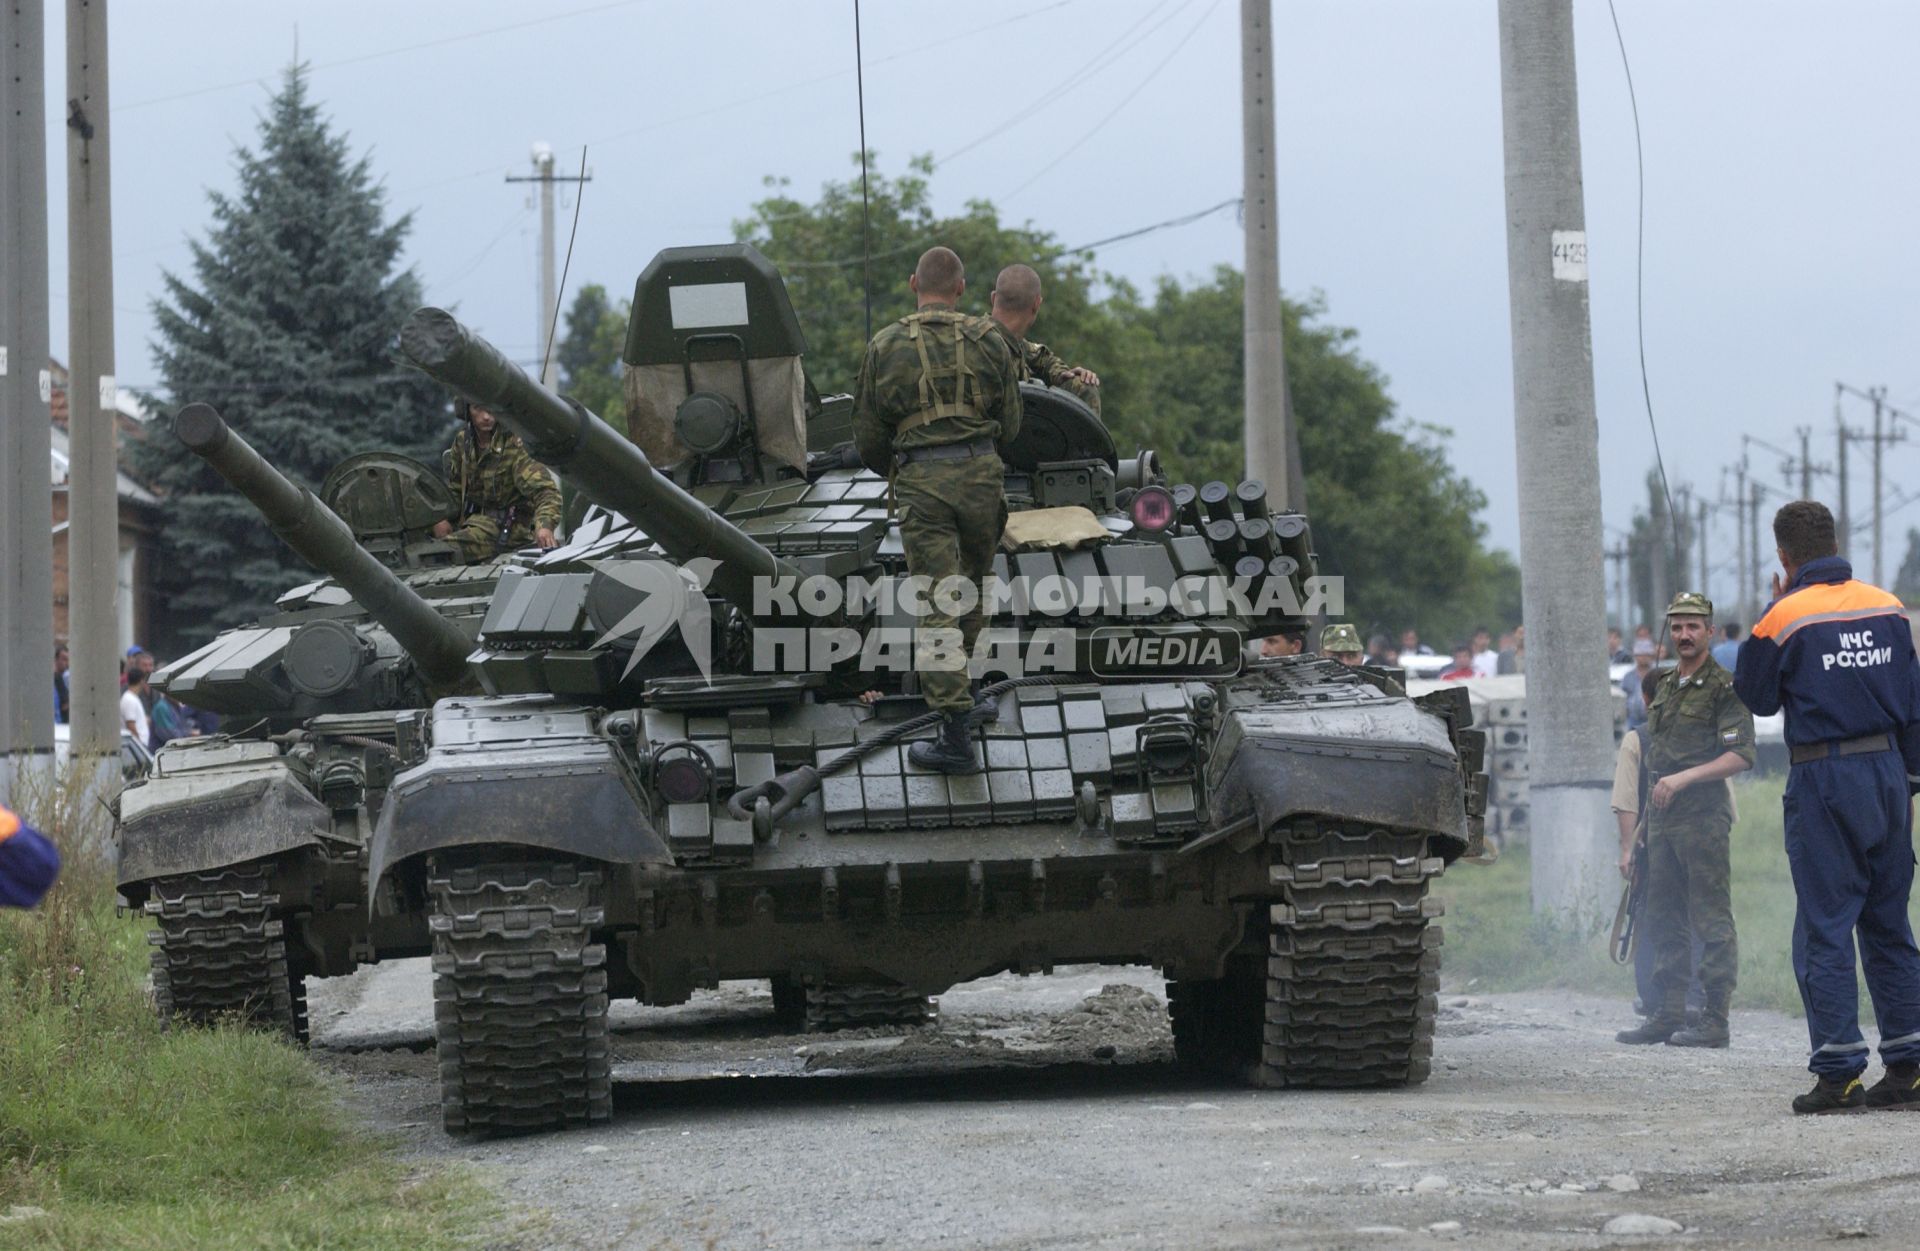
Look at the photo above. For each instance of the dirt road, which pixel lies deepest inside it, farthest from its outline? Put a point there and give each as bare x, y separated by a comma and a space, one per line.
1046, 1113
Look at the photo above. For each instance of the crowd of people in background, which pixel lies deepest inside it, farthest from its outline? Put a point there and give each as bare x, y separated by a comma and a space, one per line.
150, 716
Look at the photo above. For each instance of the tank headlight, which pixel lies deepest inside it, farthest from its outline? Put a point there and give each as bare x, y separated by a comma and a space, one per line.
683, 774
1152, 509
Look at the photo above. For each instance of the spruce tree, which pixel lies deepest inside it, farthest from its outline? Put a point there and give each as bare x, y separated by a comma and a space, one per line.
286, 325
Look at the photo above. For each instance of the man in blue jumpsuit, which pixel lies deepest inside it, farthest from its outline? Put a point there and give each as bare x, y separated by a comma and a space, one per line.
1837, 654
28, 863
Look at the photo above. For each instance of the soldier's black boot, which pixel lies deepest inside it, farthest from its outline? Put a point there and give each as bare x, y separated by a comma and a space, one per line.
1657, 1028
949, 751
1709, 1031
1898, 1090
986, 708
1832, 1094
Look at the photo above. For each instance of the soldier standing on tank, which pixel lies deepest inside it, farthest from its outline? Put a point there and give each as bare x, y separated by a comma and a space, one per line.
1342, 642
1698, 735
505, 499
938, 395
1016, 305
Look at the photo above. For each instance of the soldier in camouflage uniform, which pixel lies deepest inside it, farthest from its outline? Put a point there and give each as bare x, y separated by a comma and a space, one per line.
1342, 642
1016, 305
938, 394
1698, 735
505, 499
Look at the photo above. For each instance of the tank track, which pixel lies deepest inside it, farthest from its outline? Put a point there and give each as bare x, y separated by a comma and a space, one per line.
220, 954
1353, 970
520, 997
1346, 992
856, 1005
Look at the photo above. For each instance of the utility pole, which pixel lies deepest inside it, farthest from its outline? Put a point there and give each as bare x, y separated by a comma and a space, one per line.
1705, 587
549, 286
1881, 437
26, 387
1757, 563
1741, 564
1846, 521
93, 502
1806, 462
1272, 451
1562, 577
1659, 531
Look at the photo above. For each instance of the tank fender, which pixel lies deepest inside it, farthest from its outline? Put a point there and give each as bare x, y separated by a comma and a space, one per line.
518, 770
197, 821
1377, 760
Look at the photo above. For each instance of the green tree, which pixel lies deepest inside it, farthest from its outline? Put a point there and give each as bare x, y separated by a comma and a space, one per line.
287, 325
1652, 532
1389, 512
589, 353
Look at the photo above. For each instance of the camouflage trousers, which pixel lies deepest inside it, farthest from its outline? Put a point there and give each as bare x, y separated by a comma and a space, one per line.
476, 539
951, 516
1690, 895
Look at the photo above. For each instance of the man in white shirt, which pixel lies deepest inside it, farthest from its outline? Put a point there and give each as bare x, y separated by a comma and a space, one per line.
1486, 661
133, 710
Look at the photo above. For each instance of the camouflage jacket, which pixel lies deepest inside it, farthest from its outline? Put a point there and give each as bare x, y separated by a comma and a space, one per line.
500, 480
1037, 361
1691, 721
937, 361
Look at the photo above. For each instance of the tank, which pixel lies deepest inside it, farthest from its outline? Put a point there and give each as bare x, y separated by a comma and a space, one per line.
250, 847
680, 758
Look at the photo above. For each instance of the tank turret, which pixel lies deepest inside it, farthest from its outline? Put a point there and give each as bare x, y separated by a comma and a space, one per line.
437, 646
607, 468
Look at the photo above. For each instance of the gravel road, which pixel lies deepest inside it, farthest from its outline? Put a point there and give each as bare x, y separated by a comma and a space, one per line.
1045, 1112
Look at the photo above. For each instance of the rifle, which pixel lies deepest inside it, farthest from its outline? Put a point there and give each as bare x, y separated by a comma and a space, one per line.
1633, 897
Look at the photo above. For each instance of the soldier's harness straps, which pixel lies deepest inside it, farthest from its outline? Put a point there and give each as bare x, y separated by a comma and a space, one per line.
966, 387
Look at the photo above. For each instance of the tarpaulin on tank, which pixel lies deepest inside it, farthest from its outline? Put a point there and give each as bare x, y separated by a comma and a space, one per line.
1035, 529
779, 407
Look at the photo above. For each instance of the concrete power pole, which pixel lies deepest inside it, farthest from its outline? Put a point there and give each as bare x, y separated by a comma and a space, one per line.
1844, 521
26, 388
1743, 565
1659, 532
1569, 712
1272, 450
1704, 567
93, 502
549, 285
1757, 568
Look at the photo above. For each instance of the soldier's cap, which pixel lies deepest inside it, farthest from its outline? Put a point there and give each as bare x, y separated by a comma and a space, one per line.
1340, 637
1690, 604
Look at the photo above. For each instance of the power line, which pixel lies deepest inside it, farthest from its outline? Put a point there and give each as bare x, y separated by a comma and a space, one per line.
1059, 158
1101, 60
1639, 268
385, 52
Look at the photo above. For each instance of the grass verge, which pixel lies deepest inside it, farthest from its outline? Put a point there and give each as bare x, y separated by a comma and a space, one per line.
116, 1134
1495, 943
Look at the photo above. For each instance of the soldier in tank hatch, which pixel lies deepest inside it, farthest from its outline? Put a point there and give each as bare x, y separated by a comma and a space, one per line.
1016, 303
1342, 642
505, 500
938, 395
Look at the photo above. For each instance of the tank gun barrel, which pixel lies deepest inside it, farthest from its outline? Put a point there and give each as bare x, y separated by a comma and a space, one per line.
607, 467
323, 540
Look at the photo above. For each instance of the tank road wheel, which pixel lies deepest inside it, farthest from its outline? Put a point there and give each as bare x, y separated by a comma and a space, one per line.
219, 953
1354, 972
520, 996
855, 1005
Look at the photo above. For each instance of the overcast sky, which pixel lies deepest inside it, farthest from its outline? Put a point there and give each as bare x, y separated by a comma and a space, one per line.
1781, 180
